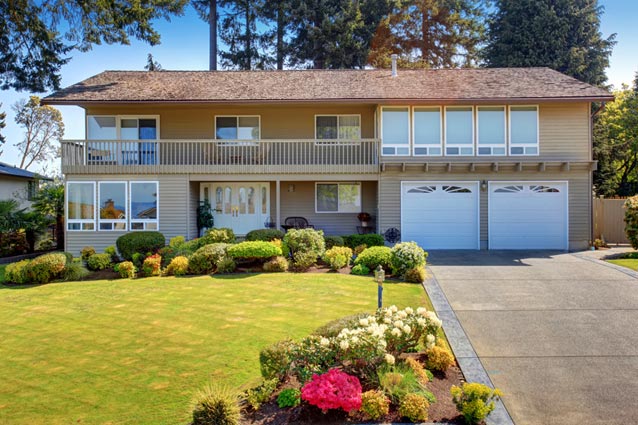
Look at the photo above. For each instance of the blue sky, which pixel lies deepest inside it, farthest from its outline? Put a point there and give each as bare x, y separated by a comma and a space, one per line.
185, 46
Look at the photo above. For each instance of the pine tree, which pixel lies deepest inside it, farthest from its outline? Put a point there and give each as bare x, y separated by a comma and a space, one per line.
239, 31
277, 14
152, 64
561, 34
430, 34
207, 10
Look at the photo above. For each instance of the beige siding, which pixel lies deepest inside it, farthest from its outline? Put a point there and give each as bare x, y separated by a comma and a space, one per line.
277, 121
193, 203
579, 197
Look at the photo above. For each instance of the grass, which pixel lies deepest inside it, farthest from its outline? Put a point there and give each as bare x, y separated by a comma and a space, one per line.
630, 263
135, 351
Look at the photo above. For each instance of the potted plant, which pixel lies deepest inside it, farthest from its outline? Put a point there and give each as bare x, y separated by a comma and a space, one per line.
364, 217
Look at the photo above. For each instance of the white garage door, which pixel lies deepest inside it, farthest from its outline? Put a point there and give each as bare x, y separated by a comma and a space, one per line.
528, 215
440, 215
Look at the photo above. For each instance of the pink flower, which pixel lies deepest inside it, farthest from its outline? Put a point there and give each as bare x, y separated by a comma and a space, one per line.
333, 390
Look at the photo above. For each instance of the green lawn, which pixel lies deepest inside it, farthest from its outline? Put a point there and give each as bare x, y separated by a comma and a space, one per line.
133, 351
630, 263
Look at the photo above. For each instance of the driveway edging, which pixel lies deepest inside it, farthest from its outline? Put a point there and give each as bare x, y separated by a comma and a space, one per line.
616, 267
469, 361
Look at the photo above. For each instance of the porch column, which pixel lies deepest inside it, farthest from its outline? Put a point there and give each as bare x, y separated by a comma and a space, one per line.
278, 203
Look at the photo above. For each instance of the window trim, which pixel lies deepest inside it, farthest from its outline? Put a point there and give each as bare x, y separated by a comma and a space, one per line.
523, 145
234, 142
410, 126
505, 132
126, 206
472, 145
413, 143
338, 140
80, 221
353, 183
132, 220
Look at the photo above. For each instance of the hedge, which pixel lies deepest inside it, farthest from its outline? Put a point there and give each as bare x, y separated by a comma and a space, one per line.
142, 242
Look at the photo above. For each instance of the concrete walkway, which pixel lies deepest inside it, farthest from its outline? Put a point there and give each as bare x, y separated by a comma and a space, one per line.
557, 332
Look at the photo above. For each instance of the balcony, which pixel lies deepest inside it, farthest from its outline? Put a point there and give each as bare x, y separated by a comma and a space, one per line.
220, 157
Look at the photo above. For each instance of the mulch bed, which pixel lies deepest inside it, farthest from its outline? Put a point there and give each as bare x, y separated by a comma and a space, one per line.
107, 274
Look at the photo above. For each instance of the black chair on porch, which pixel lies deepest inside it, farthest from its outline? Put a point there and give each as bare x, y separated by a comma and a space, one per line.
296, 223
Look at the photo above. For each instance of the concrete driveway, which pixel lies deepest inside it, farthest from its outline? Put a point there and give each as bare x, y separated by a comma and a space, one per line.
557, 332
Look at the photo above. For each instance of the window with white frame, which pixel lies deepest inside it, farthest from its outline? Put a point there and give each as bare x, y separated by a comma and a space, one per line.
459, 130
80, 206
237, 127
523, 130
338, 197
144, 208
395, 131
338, 127
133, 135
427, 131
112, 201
491, 130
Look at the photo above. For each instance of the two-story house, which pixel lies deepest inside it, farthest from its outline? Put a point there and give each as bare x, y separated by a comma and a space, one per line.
462, 158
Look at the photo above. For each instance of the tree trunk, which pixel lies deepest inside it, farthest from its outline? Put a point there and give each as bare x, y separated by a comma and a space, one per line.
212, 24
59, 232
280, 36
248, 45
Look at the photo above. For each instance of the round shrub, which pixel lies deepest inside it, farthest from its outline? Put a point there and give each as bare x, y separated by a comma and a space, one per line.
304, 260
374, 404
226, 265
112, 251
260, 394
306, 245
45, 268
332, 241
474, 401
333, 390
216, 405
439, 358
152, 265
370, 239
16, 272
332, 328
406, 256
176, 241
140, 242
221, 235
253, 250
178, 266
290, 397
338, 257
205, 259
126, 269
69, 257
193, 245
414, 407
265, 235
277, 264
86, 252
375, 256
274, 360
415, 275
359, 249
360, 270
97, 262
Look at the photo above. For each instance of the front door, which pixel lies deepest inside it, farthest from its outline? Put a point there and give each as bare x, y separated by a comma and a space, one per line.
240, 206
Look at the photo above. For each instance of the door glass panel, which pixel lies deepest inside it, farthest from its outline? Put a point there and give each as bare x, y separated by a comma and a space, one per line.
251, 200
242, 200
228, 200
206, 198
219, 199
264, 201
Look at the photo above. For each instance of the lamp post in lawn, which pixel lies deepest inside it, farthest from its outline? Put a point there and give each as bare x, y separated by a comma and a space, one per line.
379, 277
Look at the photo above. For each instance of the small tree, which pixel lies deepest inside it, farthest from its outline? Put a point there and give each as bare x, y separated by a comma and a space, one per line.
152, 64
49, 203
43, 128
205, 219
631, 221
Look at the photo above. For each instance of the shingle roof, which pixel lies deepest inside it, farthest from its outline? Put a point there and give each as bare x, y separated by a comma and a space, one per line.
327, 85
10, 170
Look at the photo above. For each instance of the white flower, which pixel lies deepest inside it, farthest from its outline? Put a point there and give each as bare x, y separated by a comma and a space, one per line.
407, 329
354, 339
429, 341
389, 359
398, 324
421, 321
402, 314
388, 313
387, 320
324, 341
409, 310
393, 308
344, 345
371, 319
430, 315
383, 343
396, 332
363, 322
421, 311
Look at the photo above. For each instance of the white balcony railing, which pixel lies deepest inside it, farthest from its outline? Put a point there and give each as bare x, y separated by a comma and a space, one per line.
220, 157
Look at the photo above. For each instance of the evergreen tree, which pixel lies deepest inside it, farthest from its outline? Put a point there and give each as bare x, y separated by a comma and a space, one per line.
37, 36
207, 10
430, 34
239, 31
152, 64
561, 34
277, 14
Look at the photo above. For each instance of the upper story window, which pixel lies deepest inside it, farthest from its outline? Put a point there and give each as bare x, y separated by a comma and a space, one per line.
338, 127
80, 205
237, 127
459, 130
427, 131
101, 127
395, 130
523, 130
491, 130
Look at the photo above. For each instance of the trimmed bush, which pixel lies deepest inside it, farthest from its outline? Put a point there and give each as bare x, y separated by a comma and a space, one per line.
97, 262
253, 250
16, 272
289, 397
631, 220
332, 241
306, 245
360, 270
374, 404
112, 251
126, 269
261, 393
45, 268
176, 242
152, 265
338, 257
178, 266
406, 256
216, 405
74, 272
168, 253
439, 358
285, 250
370, 239
332, 328
304, 260
274, 360
140, 242
86, 252
193, 245
221, 235
474, 401
266, 235
415, 407
375, 256
205, 259
415, 275
277, 264
359, 249
69, 257
226, 265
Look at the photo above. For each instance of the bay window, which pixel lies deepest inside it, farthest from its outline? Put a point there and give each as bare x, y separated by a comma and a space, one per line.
459, 130
523, 130
338, 127
491, 130
427, 131
144, 206
237, 127
338, 197
80, 206
395, 124
112, 203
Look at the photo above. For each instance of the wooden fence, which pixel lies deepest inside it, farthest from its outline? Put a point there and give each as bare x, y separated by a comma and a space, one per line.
609, 224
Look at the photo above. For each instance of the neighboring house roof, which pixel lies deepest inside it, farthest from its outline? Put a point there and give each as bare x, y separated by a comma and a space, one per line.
446, 85
10, 170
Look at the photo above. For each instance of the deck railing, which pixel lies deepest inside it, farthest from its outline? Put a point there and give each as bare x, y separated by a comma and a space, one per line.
220, 157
